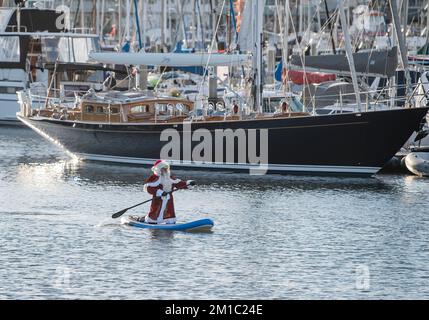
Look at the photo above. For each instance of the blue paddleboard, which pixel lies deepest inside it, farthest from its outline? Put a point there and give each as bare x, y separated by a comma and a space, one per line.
194, 226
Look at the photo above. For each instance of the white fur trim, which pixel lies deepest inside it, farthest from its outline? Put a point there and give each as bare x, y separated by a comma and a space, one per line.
157, 169
164, 221
152, 184
170, 221
163, 207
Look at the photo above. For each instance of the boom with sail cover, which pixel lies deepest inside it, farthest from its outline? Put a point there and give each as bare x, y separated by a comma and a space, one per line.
171, 59
377, 62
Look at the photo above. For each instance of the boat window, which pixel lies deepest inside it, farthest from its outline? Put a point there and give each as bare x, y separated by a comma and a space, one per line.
89, 109
161, 107
70, 90
100, 109
220, 106
114, 110
10, 90
68, 49
94, 76
323, 111
139, 109
181, 107
343, 111
211, 108
170, 108
9, 49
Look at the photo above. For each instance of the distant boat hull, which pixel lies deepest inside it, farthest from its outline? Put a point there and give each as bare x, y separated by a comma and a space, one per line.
8, 108
375, 62
351, 144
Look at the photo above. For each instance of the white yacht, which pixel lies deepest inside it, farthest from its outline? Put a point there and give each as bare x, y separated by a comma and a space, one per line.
30, 40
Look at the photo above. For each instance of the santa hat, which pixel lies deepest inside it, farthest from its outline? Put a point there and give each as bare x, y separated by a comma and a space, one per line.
158, 165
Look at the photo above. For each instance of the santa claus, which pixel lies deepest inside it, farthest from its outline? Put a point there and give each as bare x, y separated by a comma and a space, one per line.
161, 185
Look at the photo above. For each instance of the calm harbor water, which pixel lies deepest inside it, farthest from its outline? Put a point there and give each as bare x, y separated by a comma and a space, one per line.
283, 237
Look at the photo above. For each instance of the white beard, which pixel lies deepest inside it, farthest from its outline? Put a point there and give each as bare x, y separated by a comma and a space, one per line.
166, 182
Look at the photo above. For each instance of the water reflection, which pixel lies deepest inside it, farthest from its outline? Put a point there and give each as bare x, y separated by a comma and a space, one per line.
161, 234
116, 175
36, 158
275, 236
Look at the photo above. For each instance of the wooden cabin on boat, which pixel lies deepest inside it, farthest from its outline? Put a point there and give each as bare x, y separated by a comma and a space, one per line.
121, 107
156, 110
135, 107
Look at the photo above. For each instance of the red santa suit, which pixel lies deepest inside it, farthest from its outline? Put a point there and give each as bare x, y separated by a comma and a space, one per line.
162, 207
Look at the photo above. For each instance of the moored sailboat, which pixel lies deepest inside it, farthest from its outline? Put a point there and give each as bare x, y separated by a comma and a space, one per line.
132, 127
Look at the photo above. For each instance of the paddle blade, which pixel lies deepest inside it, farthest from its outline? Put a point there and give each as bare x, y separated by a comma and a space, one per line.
118, 214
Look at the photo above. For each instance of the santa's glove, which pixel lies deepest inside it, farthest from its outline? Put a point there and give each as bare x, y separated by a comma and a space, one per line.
190, 183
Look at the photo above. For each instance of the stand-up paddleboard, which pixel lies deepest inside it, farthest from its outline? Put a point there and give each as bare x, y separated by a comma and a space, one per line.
203, 225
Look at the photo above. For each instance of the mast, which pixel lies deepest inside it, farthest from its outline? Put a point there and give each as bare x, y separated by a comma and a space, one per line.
401, 42
18, 18
120, 33
102, 20
179, 9
143, 8
284, 28
258, 9
163, 24
233, 19
139, 35
427, 20
309, 16
82, 15
404, 14
286, 32
200, 24
319, 23
349, 52
331, 27
193, 28
214, 21
349, 18
94, 16
127, 20
301, 18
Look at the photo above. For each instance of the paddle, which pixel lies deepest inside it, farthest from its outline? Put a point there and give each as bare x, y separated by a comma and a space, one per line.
120, 213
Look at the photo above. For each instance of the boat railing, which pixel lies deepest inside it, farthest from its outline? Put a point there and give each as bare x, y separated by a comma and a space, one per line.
16, 28
377, 96
38, 98
82, 30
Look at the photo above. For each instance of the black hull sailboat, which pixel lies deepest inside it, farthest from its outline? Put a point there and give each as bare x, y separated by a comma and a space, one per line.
349, 143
